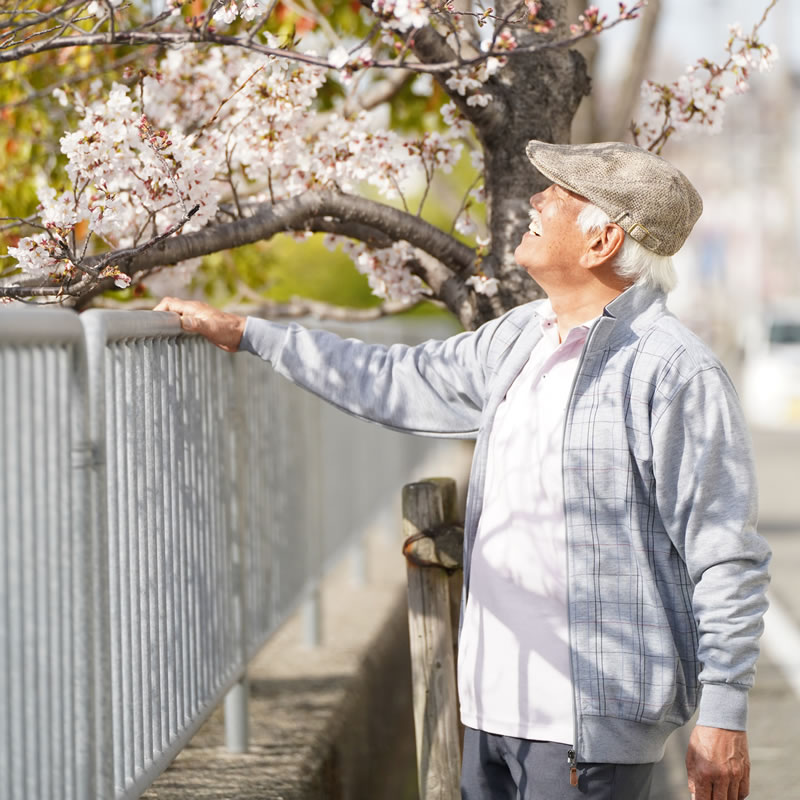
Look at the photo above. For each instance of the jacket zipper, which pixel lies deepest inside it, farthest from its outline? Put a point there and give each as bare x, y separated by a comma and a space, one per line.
572, 753
573, 769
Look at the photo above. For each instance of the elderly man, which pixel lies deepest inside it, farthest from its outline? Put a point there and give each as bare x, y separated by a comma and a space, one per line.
614, 580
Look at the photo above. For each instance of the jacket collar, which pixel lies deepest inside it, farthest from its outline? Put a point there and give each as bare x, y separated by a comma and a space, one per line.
637, 304
633, 311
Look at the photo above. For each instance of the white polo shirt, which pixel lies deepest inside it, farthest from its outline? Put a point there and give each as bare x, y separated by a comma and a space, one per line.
513, 659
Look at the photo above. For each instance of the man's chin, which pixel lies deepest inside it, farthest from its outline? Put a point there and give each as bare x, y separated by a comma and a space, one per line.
519, 254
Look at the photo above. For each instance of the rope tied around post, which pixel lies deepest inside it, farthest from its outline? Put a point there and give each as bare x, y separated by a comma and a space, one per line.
442, 546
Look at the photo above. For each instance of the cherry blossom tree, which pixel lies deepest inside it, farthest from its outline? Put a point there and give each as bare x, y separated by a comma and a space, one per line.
222, 130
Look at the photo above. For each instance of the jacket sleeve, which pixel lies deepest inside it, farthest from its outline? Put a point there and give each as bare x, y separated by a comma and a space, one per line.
707, 498
436, 388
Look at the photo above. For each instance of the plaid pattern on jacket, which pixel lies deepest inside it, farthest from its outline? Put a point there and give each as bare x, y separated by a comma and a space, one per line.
666, 573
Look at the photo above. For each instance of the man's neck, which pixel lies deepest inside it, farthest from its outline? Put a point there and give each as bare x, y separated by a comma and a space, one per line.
575, 306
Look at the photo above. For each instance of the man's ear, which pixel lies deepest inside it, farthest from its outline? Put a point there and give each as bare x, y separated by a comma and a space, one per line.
603, 245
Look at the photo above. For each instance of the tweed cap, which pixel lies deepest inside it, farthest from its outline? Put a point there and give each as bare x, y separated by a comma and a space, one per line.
645, 195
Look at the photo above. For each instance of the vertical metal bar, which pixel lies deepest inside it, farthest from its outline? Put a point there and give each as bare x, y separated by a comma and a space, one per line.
162, 531
173, 540
312, 618
27, 607
86, 589
128, 570
196, 522
210, 488
192, 519
74, 613
206, 615
140, 600
8, 449
228, 651
236, 718
16, 479
98, 379
150, 536
181, 413
235, 449
45, 528
118, 560
67, 623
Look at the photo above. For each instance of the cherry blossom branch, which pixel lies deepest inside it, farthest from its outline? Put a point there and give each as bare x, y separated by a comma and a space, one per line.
129, 254
692, 100
15, 222
372, 237
294, 215
196, 36
23, 292
44, 16
100, 272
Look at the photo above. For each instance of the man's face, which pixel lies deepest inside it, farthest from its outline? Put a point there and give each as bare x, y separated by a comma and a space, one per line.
551, 249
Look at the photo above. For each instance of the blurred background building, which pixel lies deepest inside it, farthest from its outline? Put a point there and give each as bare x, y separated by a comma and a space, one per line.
738, 271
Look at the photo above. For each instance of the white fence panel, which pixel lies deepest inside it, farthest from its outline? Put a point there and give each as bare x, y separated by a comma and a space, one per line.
164, 507
46, 587
174, 622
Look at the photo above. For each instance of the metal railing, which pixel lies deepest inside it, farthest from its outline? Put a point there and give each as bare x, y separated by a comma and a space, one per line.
164, 506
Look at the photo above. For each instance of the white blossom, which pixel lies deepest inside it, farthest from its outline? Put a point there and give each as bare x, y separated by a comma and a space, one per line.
402, 15
338, 57
465, 225
422, 85
479, 99
462, 82
483, 285
226, 13
61, 96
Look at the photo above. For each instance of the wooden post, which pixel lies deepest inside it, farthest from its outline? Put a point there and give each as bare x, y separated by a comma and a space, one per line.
433, 550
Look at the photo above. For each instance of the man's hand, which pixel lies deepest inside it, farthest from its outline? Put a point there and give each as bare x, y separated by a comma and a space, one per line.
222, 329
718, 764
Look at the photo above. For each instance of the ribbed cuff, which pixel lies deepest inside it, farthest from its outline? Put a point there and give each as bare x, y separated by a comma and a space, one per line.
723, 705
262, 338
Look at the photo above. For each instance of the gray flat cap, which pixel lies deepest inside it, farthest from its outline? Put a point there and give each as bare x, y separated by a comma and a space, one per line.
645, 195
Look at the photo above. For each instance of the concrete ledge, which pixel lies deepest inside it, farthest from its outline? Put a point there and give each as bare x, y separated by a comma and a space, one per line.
328, 722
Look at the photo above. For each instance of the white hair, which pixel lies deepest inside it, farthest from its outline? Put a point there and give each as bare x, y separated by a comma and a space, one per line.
634, 262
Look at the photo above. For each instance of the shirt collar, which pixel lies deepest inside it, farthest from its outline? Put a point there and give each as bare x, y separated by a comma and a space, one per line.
549, 324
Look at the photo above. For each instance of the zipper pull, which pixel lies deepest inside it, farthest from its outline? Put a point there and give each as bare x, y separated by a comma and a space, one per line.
573, 769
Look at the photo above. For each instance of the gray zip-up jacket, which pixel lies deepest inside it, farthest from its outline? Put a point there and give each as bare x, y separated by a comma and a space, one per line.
666, 573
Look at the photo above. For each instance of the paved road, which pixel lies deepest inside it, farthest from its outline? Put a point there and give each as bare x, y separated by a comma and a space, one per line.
774, 727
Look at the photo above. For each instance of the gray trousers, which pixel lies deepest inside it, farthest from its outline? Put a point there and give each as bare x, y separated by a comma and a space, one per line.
504, 768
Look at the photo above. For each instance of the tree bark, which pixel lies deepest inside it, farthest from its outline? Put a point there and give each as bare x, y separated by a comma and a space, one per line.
538, 93
534, 96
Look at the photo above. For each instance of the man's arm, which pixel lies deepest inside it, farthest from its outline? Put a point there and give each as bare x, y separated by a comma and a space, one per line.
706, 491
436, 388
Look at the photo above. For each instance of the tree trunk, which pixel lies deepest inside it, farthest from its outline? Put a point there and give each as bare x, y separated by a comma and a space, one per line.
542, 93
539, 93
